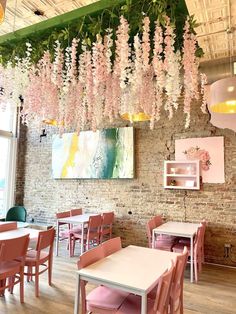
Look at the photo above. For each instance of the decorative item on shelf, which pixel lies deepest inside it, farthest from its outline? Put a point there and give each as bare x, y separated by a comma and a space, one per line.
173, 170
173, 183
2, 10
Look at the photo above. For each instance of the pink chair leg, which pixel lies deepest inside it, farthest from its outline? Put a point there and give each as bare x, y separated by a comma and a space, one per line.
50, 272
37, 280
22, 286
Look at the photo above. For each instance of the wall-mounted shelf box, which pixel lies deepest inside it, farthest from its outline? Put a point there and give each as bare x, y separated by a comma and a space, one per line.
183, 175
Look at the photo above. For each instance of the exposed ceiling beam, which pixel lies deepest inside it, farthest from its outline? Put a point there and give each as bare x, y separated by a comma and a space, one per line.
61, 20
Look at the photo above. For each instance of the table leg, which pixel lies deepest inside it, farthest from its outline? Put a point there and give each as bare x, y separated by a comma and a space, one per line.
144, 304
153, 239
82, 240
77, 295
191, 259
57, 238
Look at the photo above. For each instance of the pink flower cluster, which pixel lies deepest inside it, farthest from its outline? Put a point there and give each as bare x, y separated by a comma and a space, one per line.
195, 153
190, 65
79, 91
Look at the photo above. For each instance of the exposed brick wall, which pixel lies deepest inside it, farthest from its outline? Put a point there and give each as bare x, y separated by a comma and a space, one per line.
135, 201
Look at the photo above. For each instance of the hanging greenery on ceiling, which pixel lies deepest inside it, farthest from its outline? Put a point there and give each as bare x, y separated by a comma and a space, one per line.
87, 27
112, 69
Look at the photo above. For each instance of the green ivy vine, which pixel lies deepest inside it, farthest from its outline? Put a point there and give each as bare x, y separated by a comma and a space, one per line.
87, 27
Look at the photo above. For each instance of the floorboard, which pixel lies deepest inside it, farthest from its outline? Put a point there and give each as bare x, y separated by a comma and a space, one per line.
214, 294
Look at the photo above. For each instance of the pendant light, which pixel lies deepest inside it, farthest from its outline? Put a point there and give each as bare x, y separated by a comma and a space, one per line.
223, 96
223, 92
2, 10
135, 117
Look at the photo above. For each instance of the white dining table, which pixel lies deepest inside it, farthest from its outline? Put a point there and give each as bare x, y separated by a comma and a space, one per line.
133, 269
178, 229
81, 220
11, 234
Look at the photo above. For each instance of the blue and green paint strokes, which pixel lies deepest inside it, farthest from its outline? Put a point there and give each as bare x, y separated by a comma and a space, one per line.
105, 154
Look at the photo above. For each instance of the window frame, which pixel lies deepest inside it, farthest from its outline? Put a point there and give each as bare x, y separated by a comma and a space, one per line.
9, 199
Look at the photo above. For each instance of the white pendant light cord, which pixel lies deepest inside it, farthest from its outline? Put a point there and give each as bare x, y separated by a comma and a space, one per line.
230, 31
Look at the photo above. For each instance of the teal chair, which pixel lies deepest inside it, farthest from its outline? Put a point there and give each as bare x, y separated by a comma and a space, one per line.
16, 213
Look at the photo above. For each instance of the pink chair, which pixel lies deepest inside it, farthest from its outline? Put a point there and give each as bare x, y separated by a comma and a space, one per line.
91, 235
111, 246
132, 304
39, 257
158, 220
7, 226
64, 235
186, 241
176, 293
76, 211
162, 242
197, 251
106, 227
102, 300
12, 260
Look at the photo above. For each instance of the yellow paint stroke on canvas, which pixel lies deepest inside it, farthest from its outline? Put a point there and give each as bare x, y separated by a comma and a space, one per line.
72, 151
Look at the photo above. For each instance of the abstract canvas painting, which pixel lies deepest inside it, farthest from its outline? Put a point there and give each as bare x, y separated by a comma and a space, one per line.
210, 152
104, 154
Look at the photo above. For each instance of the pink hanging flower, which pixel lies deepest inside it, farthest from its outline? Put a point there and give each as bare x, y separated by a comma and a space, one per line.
204, 92
158, 67
172, 68
123, 52
99, 80
108, 43
190, 65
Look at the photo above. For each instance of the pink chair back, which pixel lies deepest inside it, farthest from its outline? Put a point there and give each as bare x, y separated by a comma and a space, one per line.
149, 227
63, 215
158, 220
45, 240
76, 211
7, 226
106, 227
86, 259
94, 227
111, 246
13, 249
176, 294
163, 291
90, 257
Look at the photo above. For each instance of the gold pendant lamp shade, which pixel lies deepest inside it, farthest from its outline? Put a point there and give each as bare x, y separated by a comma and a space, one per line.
135, 117
223, 96
2, 10
52, 122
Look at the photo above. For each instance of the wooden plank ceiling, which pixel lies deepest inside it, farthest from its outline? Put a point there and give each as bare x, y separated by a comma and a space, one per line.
20, 13
214, 18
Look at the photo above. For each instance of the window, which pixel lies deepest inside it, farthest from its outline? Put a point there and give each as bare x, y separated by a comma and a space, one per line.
7, 157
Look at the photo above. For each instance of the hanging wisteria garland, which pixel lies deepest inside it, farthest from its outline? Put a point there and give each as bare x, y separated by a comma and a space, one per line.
79, 91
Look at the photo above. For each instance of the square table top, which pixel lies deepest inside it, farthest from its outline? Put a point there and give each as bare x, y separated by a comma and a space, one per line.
77, 218
176, 228
33, 233
132, 268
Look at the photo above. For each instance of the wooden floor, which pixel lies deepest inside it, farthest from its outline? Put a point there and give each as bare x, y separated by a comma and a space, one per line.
214, 294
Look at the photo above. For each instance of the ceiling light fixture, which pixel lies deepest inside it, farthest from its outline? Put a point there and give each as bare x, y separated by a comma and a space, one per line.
2, 10
223, 92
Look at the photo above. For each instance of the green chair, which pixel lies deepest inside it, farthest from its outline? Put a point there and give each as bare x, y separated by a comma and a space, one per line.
16, 213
